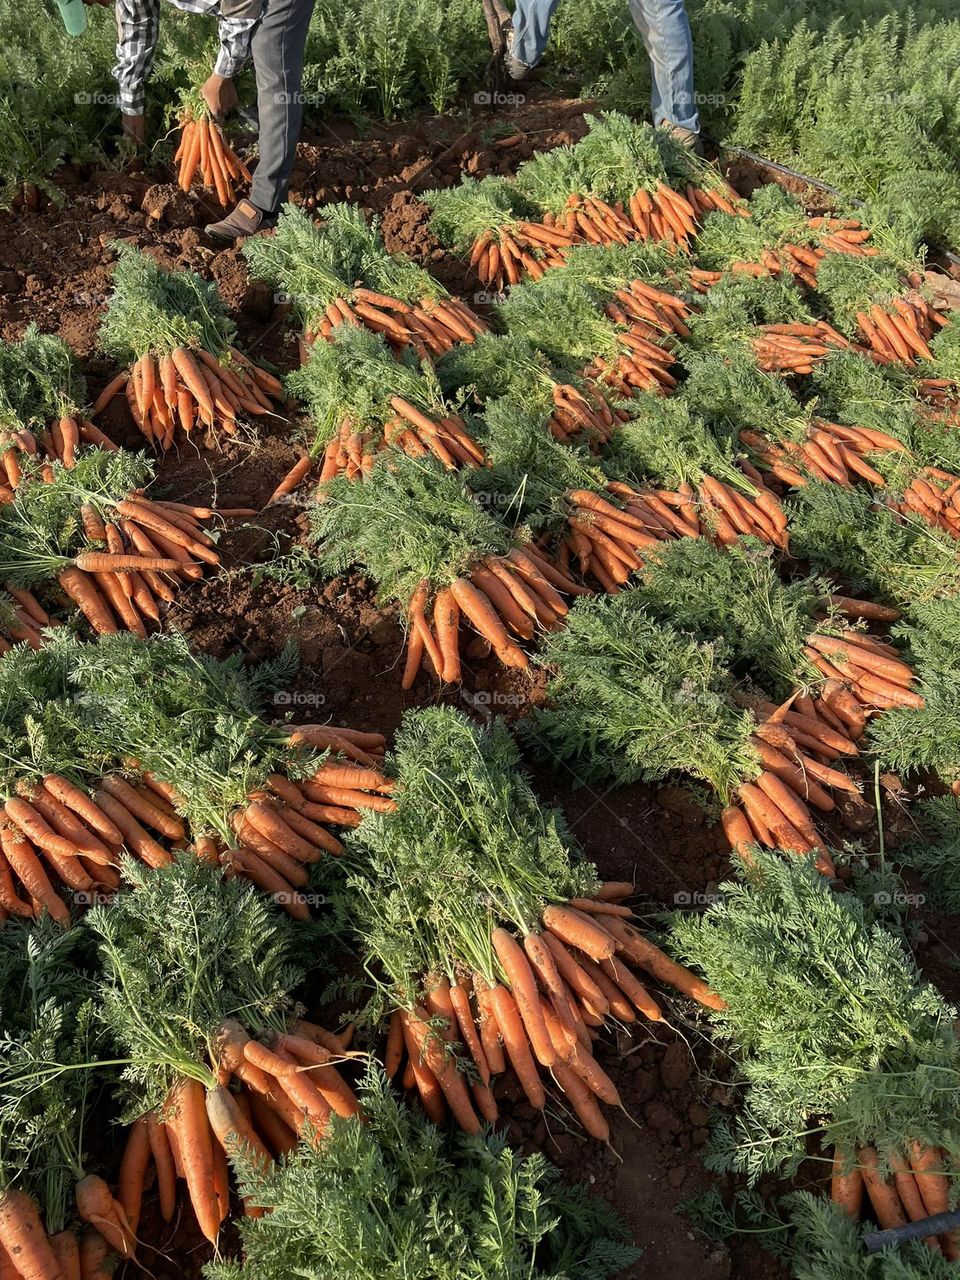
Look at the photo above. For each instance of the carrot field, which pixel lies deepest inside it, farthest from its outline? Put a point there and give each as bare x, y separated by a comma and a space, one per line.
480, 723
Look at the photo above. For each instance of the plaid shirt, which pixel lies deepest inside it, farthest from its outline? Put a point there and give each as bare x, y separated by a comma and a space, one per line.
138, 26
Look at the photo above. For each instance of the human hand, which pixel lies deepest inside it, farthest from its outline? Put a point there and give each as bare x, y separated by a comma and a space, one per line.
220, 95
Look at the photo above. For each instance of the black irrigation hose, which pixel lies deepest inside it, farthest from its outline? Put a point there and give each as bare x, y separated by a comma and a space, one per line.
893, 1237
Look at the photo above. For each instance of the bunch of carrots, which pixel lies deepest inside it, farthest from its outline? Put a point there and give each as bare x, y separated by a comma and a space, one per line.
58, 443
205, 151
147, 543
795, 348
27, 1252
510, 252
901, 332
916, 1188
583, 413
23, 618
503, 597
280, 1093
934, 496
831, 452
561, 983
279, 833
799, 261
186, 386
431, 326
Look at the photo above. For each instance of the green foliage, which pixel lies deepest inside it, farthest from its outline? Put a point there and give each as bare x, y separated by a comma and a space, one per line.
48, 1049
39, 381
397, 1199
182, 949
563, 318
929, 737
829, 1020
814, 1238
468, 848
934, 852
153, 310
41, 531
499, 365
736, 595
848, 284
409, 519
668, 442
737, 304
633, 699
841, 531
776, 218
385, 60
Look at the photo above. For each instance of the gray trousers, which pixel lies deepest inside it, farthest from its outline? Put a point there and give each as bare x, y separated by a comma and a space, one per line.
277, 47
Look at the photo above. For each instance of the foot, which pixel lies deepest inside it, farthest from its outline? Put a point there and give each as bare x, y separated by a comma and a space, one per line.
687, 138
514, 68
245, 220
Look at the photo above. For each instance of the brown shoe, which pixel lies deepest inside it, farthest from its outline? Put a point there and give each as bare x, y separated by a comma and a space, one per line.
245, 220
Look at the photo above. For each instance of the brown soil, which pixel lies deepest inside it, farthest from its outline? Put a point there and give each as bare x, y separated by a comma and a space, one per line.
55, 271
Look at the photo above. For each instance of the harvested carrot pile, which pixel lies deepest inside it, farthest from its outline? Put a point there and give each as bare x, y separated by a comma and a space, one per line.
205, 154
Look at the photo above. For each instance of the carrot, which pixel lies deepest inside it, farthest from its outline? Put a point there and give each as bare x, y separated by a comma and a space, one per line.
427, 1086
83, 592
490, 1038
632, 988
846, 1188
96, 1205
192, 1129
737, 830
789, 804
328, 1081
517, 1045
27, 867
113, 388
297, 472
193, 379
270, 824
25, 817
782, 832
66, 1250
487, 621
579, 931
133, 1169
615, 891
142, 808
163, 1160
280, 1137
575, 975
10, 903
393, 1055
883, 1196
909, 1193
644, 953
931, 1177
23, 1237
593, 907
299, 1088
583, 1102
234, 1131
545, 967
460, 1004
523, 986
72, 797
865, 609
134, 835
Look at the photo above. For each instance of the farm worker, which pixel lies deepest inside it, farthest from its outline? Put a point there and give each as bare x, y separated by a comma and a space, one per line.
665, 31
274, 32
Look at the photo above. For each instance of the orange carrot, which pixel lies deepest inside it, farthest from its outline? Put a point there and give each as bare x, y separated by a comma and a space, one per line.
163, 1160
96, 1205
644, 953
66, 1250
133, 1169
573, 973
490, 1037
846, 1188
517, 1045
523, 986
83, 592
579, 931
883, 1195
444, 1069
194, 1139
23, 1237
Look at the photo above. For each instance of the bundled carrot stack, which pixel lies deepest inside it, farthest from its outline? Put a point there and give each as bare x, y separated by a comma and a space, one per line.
795, 348
150, 544
283, 829
917, 1187
58, 443
171, 331
869, 667
205, 151
53, 828
562, 982
583, 414
502, 597
431, 326
23, 618
506, 254
933, 495
900, 334
831, 452
843, 235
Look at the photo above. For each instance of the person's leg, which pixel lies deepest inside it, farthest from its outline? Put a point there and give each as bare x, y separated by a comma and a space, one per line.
531, 29
665, 30
277, 47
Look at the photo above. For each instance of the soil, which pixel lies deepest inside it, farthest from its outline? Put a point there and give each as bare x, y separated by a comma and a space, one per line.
55, 271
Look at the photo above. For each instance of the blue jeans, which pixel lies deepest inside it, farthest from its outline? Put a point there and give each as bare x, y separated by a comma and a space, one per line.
665, 31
